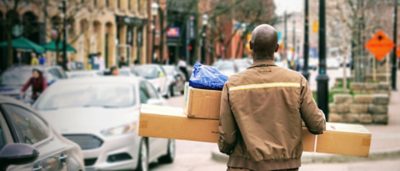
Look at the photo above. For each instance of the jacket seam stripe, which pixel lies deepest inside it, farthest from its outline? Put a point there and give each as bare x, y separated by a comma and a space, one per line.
265, 85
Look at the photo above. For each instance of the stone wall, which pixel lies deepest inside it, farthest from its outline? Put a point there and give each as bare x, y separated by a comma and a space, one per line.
367, 104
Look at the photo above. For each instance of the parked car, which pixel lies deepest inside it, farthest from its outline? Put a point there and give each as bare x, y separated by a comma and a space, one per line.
227, 67
12, 80
155, 74
101, 115
83, 74
243, 64
28, 142
176, 79
332, 63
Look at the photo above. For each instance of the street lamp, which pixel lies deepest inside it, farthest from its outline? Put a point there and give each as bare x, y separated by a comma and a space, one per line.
204, 34
154, 12
322, 78
63, 7
394, 55
305, 72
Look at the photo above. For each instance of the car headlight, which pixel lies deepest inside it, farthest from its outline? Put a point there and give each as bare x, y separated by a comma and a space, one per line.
119, 130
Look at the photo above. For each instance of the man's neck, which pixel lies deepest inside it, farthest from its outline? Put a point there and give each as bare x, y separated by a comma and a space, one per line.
263, 61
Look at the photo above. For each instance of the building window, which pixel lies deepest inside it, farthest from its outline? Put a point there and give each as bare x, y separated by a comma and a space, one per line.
82, 1
107, 3
119, 4
95, 3
129, 4
138, 5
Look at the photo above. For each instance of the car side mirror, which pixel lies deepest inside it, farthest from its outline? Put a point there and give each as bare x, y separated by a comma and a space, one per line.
16, 154
154, 102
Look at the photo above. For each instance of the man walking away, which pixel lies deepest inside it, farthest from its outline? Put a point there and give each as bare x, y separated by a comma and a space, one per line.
262, 110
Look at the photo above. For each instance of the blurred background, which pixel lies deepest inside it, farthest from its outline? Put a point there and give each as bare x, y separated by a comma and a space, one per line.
58, 58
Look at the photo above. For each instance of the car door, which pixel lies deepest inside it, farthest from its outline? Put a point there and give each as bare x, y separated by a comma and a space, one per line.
26, 127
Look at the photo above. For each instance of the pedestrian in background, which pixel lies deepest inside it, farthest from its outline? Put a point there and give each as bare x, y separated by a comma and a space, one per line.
34, 59
262, 110
114, 71
38, 84
123, 62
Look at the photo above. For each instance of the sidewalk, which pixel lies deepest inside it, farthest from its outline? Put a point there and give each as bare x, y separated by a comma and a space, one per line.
385, 139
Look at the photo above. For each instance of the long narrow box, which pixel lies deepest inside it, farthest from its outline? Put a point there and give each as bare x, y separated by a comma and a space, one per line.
170, 122
203, 104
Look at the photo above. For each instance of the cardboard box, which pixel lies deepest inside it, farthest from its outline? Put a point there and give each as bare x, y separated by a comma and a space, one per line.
203, 104
170, 122
344, 139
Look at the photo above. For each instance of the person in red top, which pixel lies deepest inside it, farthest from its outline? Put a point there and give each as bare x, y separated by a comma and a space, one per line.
38, 83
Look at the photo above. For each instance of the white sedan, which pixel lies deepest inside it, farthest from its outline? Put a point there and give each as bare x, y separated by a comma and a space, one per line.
101, 115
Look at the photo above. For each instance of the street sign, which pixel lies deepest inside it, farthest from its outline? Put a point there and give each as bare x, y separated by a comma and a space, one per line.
398, 52
379, 45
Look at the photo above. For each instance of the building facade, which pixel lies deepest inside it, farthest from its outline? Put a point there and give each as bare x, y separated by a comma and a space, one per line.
114, 28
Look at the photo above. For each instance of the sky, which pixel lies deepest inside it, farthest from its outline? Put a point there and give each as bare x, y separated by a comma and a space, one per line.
288, 5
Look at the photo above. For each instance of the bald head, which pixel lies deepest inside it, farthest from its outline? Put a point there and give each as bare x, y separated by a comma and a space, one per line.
264, 42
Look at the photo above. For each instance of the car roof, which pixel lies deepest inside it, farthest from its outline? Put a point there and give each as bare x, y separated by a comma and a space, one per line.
29, 67
100, 80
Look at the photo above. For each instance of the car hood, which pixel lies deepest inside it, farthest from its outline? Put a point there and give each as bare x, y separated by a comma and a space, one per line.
89, 120
9, 90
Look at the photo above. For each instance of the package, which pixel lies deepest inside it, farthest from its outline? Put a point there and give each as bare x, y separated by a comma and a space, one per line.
170, 122
344, 139
207, 77
203, 104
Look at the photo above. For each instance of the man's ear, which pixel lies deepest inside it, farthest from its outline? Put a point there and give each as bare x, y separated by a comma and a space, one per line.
251, 45
277, 48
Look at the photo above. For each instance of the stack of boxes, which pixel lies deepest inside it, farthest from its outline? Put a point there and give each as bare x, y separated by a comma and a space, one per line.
198, 121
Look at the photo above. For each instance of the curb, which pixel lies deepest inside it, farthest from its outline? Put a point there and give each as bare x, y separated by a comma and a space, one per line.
310, 158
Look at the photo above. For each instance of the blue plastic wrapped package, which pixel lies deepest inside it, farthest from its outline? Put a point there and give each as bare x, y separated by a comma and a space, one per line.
207, 77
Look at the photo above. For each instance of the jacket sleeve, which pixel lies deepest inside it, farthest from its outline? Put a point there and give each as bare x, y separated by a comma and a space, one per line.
227, 125
44, 84
26, 85
312, 116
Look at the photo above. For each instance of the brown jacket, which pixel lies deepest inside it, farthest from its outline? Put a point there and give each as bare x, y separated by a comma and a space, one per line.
262, 110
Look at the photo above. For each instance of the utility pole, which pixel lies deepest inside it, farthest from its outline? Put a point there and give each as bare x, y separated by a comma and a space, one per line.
285, 36
294, 38
305, 72
65, 57
394, 56
322, 78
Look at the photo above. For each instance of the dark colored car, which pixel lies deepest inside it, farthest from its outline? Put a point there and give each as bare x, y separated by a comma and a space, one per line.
176, 79
12, 80
28, 142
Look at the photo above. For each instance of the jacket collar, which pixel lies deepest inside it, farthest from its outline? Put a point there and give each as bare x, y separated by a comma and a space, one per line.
263, 62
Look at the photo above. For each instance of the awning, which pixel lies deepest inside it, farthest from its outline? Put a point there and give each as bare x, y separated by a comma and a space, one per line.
51, 46
24, 44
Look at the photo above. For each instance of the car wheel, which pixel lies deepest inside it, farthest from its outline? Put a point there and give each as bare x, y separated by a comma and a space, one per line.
170, 156
172, 90
143, 161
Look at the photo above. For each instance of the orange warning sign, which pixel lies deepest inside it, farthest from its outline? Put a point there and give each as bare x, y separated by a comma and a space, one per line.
398, 52
380, 45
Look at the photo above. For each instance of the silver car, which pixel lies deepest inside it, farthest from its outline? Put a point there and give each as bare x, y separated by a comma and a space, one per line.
28, 142
101, 115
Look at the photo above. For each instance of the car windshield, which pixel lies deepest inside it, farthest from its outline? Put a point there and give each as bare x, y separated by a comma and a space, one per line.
16, 76
148, 72
243, 64
170, 70
227, 65
107, 95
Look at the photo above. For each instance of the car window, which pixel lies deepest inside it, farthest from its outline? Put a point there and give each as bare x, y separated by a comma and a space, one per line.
144, 93
54, 72
29, 128
152, 91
